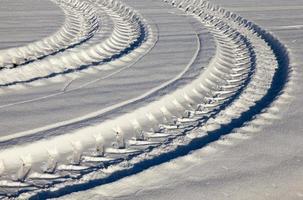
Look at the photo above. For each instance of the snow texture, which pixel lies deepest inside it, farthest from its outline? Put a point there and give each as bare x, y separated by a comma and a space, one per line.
169, 99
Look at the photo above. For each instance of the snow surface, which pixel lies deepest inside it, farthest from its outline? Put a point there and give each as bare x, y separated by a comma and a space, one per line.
250, 149
21, 23
167, 59
266, 165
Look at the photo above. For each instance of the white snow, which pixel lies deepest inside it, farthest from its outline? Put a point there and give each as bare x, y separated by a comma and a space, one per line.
266, 166
157, 102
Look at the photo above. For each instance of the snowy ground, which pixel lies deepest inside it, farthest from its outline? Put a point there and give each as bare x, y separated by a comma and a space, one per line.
260, 160
48, 105
268, 165
21, 23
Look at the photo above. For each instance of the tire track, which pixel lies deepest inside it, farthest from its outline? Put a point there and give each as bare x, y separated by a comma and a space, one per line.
129, 33
246, 77
80, 25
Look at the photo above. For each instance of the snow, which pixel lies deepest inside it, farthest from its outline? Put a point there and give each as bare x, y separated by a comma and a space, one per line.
118, 85
246, 146
268, 165
21, 24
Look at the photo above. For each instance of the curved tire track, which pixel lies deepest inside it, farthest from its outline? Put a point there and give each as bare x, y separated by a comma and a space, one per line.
129, 32
80, 25
247, 75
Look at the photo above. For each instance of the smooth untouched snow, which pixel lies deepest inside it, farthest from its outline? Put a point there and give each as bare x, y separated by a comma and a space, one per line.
21, 24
